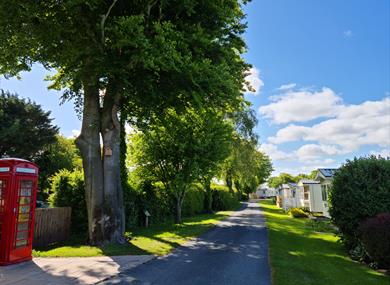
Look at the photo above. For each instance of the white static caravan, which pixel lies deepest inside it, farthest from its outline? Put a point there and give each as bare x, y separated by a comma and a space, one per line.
312, 195
297, 195
285, 198
325, 177
265, 192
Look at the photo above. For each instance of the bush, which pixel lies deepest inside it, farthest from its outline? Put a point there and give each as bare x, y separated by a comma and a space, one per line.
298, 213
223, 198
360, 190
375, 237
68, 191
194, 201
156, 200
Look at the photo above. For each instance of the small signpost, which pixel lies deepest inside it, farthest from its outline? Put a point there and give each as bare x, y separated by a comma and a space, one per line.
147, 215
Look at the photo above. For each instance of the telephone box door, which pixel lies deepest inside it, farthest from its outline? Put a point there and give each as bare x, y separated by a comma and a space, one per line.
23, 217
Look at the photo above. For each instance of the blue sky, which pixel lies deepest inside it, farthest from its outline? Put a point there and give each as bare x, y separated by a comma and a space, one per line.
322, 69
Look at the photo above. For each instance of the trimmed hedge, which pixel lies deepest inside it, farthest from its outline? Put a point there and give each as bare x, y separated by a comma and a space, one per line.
360, 190
223, 198
194, 201
68, 191
375, 236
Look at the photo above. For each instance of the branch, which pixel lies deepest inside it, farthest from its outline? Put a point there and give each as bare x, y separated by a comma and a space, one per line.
104, 17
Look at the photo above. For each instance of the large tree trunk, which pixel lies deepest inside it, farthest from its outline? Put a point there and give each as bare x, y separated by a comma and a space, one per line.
178, 217
103, 188
89, 144
209, 197
114, 225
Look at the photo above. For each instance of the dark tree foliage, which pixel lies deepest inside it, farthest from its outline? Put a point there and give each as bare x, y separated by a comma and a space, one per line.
360, 190
25, 129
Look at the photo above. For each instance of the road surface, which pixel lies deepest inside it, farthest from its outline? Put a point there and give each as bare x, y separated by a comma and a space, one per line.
233, 252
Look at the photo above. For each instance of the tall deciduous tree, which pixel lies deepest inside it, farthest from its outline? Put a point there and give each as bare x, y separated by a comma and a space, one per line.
129, 53
183, 148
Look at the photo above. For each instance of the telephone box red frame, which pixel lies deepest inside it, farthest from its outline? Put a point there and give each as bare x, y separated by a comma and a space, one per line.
18, 191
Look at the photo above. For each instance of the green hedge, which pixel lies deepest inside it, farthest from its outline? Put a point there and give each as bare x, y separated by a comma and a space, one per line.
194, 201
223, 198
67, 190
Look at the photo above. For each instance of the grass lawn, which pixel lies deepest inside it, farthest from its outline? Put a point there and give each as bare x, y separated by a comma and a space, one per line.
157, 239
300, 256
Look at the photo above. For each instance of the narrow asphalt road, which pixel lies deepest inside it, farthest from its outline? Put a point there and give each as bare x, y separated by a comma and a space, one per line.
233, 252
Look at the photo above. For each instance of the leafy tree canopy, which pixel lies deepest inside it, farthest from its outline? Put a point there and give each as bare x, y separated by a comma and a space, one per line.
180, 149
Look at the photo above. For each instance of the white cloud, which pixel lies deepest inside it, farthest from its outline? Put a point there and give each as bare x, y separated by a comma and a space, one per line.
315, 151
353, 126
301, 106
348, 34
289, 133
287, 86
255, 81
274, 153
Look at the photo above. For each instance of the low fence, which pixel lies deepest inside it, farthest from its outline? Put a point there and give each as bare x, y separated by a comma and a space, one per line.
51, 225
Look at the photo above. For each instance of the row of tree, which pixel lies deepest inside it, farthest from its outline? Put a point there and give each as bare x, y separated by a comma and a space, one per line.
283, 178
165, 67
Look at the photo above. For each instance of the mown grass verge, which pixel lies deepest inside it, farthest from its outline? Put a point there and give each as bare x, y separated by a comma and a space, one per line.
301, 255
157, 239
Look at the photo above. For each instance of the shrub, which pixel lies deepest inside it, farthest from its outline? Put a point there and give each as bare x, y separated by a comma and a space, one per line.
223, 198
68, 191
194, 201
298, 213
375, 236
360, 190
156, 200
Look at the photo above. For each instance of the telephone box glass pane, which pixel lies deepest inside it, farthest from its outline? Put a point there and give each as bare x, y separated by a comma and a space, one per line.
22, 226
25, 188
24, 216
22, 235
24, 200
24, 209
20, 243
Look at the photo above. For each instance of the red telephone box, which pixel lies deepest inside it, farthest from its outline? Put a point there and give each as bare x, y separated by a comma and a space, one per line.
18, 190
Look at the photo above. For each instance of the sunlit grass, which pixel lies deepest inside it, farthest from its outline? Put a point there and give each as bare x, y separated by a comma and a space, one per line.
300, 256
157, 239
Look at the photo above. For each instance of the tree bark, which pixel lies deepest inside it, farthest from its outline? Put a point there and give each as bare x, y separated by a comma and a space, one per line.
209, 197
229, 181
89, 144
114, 216
103, 188
178, 218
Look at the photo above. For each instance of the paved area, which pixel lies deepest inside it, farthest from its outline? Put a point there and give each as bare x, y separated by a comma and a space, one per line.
233, 252
65, 271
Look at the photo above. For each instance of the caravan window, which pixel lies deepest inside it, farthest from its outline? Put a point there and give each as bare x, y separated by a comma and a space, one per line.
306, 192
324, 191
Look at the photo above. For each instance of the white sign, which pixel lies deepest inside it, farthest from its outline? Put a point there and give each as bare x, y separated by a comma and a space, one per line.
25, 170
4, 169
